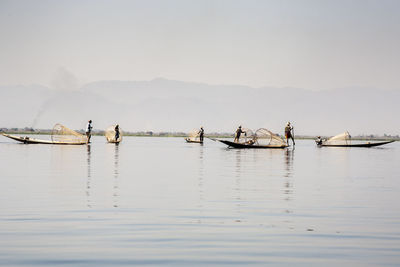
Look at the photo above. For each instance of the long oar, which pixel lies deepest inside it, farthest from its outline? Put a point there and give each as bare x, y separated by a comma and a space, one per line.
214, 139
293, 136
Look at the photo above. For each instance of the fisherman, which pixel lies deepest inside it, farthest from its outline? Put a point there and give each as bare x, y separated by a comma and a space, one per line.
319, 140
288, 133
89, 130
116, 129
250, 142
201, 134
238, 133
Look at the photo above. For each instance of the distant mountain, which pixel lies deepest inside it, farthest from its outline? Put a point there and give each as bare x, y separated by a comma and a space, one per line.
166, 105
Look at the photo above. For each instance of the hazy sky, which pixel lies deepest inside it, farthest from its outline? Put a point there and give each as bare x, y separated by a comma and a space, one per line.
309, 44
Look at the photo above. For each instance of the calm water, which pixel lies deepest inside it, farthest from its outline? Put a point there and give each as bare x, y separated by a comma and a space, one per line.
160, 201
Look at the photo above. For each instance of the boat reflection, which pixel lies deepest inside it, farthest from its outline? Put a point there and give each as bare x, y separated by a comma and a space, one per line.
116, 174
89, 176
289, 154
237, 188
288, 187
288, 184
201, 176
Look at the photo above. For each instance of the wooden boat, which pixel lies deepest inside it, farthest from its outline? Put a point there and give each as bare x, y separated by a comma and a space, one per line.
194, 136
114, 142
188, 140
249, 145
110, 134
28, 140
345, 140
261, 139
368, 144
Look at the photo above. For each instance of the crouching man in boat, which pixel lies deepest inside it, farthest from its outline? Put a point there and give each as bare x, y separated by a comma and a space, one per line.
238, 133
116, 129
89, 130
201, 134
250, 142
288, 133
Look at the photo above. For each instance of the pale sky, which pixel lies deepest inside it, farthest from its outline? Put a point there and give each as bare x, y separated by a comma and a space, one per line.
306, 44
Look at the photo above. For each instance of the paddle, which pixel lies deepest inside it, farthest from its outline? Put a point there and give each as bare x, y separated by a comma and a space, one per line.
293, 136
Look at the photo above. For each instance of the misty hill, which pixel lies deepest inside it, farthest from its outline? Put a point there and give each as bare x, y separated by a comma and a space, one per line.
166, 105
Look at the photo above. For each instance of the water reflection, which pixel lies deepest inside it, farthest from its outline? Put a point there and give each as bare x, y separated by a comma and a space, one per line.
347, 208
288, 185
201, 176
238, 162
289, 154
116, 173
89, 177
237, 195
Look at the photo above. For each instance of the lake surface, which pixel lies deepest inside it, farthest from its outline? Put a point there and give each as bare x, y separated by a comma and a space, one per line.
161, 201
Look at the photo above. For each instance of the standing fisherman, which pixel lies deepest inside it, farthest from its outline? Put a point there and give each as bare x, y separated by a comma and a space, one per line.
238, 133
201, 134
116, 129
319, 140
89, 130
289, 133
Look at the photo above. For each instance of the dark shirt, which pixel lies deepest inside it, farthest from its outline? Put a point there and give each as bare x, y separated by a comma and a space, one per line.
89, 127
116, 132
239, 132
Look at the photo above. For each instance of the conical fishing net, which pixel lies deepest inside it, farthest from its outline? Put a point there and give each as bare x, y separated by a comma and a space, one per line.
62, 134
340, 139
110, 134
194, 135
264, 137
247, 136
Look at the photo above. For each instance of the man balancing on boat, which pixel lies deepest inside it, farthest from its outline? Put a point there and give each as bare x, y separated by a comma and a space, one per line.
201, 134
319, 140
289, 133
89, 130
238, 133
116, 129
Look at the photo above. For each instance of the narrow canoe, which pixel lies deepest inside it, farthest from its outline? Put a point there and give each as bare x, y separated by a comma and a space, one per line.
28, 140
114, 141
193, 141
241, 145
361, 144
